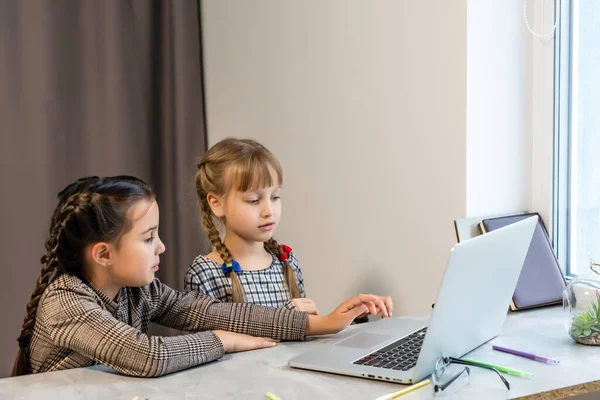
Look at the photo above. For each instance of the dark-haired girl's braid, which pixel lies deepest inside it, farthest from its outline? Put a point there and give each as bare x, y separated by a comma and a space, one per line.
290, 276
51, 269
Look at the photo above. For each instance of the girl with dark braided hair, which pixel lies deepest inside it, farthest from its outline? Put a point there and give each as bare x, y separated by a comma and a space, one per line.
238, 183
97, 295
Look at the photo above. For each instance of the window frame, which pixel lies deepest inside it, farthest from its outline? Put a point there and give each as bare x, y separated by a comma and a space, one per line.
561, 197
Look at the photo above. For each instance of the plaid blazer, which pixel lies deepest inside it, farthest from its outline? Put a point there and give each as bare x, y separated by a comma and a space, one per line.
77, 326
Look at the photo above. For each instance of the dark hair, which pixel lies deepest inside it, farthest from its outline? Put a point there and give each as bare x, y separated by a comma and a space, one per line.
89, 210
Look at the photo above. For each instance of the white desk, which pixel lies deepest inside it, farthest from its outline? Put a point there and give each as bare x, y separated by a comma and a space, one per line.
249, 375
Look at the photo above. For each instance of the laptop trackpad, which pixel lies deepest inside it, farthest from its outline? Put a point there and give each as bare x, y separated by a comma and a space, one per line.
363, 340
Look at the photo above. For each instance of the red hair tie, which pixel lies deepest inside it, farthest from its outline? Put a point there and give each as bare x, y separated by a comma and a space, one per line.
285, 253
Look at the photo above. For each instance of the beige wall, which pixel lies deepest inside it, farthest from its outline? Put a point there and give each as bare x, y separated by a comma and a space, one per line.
364, 105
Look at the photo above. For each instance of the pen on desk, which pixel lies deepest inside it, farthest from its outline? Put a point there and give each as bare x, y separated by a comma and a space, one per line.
409, 389
510, 371
271, 396
535, 357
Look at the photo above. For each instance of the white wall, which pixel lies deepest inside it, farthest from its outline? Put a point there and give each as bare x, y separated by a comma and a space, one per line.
510, 79
499, 108
364, 105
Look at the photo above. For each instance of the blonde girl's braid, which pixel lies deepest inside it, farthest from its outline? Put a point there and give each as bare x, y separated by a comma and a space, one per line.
290, 276
237, 291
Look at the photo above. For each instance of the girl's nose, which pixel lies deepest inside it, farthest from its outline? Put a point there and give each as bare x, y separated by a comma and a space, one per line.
161, 246
267, 209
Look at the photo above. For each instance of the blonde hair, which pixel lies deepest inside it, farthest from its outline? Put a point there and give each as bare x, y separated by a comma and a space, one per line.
242, 165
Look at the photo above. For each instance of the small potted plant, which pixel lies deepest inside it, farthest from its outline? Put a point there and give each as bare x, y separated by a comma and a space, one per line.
582, 299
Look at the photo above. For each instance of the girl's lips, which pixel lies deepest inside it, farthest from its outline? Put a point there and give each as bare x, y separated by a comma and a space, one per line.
267, 227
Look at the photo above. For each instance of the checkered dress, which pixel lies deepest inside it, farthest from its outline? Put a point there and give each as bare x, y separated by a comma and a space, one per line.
265, 287
77, 326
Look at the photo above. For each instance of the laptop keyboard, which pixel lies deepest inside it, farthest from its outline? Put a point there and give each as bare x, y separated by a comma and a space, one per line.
400, 355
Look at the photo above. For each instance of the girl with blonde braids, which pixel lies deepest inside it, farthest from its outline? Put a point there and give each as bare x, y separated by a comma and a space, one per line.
238, 184
97, 295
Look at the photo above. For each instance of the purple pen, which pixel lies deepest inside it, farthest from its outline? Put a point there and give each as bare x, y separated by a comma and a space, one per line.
535, 357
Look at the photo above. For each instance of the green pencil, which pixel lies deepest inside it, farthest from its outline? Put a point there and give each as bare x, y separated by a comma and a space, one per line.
510, 371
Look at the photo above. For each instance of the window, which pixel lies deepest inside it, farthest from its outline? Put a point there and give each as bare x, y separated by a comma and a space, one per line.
576, 199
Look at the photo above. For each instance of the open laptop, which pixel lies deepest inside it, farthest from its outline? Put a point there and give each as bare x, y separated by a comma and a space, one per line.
472, 302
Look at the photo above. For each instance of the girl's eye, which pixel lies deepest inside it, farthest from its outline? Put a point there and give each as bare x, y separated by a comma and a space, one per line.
150, 239
253, 201
276, 197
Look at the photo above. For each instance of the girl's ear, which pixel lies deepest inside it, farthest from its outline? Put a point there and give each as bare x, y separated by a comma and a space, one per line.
101, 254
216, 204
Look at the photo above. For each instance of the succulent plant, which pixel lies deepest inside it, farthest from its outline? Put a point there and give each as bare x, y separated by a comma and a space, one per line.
587, 324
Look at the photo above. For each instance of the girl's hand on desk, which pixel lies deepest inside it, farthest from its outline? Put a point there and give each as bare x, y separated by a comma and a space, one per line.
346, 312
235, 342
305, 305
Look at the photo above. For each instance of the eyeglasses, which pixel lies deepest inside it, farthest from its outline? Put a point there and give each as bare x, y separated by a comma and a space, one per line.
459, 374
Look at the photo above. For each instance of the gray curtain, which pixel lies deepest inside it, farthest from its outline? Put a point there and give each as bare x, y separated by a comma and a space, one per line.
95, 87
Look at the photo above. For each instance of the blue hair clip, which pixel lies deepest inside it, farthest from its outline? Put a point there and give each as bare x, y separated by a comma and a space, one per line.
232, 266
